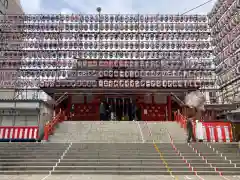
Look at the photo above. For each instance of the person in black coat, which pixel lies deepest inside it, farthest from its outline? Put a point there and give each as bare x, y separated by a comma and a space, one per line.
191, 113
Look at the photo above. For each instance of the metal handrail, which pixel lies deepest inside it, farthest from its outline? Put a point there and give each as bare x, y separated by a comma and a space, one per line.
61, 98
178, 99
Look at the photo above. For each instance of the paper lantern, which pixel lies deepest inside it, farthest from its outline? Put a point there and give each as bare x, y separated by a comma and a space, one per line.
132, 84
121, 83
116, 73
116, 83
100, 83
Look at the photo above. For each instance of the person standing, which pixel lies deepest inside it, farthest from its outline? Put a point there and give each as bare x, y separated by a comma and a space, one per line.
191, 113
102, 111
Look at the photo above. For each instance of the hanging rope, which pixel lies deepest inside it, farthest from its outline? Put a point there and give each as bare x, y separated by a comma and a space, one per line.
197, 7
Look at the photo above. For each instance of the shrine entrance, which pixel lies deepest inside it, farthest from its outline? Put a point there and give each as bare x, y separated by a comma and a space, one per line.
120, 108
142, 105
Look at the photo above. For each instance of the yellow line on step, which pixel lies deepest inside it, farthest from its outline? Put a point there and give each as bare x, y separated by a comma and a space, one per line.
164, 161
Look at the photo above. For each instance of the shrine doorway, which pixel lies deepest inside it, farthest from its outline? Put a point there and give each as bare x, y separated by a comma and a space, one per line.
120, 108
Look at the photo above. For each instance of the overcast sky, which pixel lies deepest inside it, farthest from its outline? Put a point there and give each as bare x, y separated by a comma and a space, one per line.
116, 6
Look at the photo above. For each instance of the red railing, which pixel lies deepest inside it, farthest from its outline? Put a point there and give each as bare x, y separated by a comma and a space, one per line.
50, 126
180, 119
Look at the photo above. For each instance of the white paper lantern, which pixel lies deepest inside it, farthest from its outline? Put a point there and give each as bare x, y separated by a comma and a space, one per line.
110, 73
105, 73
105, 83
126, 83
132, 83
116, 73
100, 73
116, 83
148, 83
126, 74
122, 73
100, 83
136, 73
110, 83
142, 83
153, 83
159, 83
164, 83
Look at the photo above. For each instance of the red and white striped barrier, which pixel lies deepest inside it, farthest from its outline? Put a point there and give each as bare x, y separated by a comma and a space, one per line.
209, 131
215, 131
19, 132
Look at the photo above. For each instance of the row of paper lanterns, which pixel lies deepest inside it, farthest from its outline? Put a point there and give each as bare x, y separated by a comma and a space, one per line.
126, 84
106, 83
105, 36
114, 45
36, 64
115, 73
105, 27
89, 18
105, 54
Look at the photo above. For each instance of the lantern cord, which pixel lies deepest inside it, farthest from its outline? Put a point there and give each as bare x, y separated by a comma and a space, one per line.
197, 7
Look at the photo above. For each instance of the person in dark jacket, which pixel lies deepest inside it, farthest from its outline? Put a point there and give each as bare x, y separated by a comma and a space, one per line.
191, 112
102, 112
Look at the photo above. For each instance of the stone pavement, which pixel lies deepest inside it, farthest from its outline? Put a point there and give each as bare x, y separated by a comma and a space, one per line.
112, 177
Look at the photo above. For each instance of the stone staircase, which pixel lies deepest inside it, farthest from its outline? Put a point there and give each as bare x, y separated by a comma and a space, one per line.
117, 131
161, 131
119, 148
117, 159
29, 158
97, 131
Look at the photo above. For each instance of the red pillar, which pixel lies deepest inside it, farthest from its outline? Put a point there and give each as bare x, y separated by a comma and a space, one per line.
169, 107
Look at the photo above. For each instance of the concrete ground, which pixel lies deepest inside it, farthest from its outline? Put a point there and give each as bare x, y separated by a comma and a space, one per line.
112, 177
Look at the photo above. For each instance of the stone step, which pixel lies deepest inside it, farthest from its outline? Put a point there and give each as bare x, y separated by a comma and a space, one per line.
209, 154
127, 157
56, 172
28, 172
230, 173
36, 163
212, 157
237, 161
207, 173
234, 154
228, 169
123, 153
96, 163
26, 168
32, 157
122, 172
5, 160
125, 168
160, 163
222, 165
30, 153
216, 161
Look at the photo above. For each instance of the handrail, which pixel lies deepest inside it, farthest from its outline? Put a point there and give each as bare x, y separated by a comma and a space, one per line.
177, 99
61, 98
50, 126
